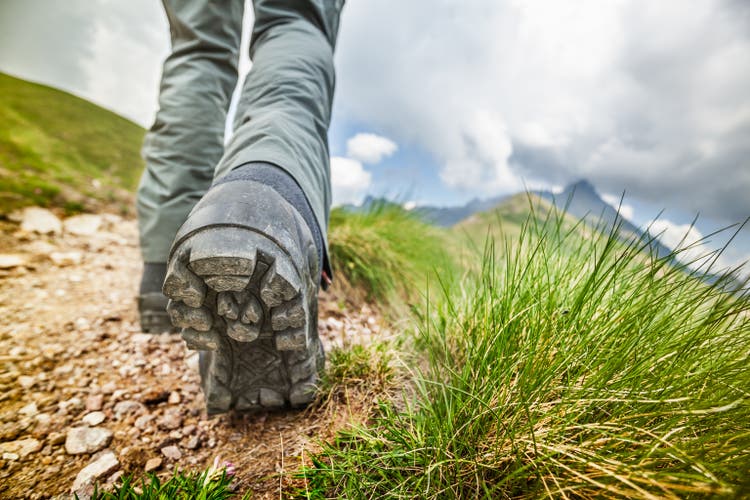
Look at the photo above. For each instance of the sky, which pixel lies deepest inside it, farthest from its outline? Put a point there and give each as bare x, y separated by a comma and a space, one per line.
442, 101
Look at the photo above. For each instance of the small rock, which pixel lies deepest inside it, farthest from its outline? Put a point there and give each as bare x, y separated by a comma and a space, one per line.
26, 382
56, 438
174, 398
172, 452
94, 418
171, 419
64, 259
12, 260
192, 443
94, 402
86, 439
154, 396
109, 388
17, 351
115, 477
40, 248
142, 421
40, 220
113, 220
12, 457
82, 225
71, 405
43, 425
153, 463
29, 410
118, 394
21, 447
128, 407
105, 463
141, 338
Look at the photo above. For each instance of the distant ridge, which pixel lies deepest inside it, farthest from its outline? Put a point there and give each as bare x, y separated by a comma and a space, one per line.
580, 199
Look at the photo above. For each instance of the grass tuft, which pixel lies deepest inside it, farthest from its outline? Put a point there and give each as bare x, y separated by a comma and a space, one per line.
213, 483
571, 365
359, 364
386, 251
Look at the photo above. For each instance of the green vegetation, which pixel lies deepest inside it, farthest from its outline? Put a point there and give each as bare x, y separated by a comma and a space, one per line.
387, 252
358, 364
57, 150
568, 366
562, 363
214, 483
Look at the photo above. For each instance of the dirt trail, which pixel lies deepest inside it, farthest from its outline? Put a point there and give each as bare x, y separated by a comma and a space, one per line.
71, 355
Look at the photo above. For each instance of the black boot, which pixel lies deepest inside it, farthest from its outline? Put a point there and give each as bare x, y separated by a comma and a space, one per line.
152, 304
243, 278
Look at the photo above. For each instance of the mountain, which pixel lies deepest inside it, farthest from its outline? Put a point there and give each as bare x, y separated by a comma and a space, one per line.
59, 150
449, 216
581, 200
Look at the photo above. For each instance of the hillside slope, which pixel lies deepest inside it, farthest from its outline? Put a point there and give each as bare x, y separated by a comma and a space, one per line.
58, 150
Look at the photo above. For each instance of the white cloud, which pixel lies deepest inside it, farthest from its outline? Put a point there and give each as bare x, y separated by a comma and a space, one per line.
370, 148
645, 96
477, 160
631, 94
410, 205
349, 181
626, 210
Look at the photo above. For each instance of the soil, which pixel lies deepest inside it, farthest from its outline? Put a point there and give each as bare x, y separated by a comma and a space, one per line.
71, 355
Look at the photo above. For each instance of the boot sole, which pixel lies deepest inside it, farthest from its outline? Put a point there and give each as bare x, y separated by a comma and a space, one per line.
238, 296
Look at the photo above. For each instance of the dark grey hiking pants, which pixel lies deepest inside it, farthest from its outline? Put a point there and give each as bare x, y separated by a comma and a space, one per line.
282, 117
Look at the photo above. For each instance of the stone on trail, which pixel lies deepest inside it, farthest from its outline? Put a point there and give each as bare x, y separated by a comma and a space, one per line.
128, 407
172, 452
29, 410
83, 225
21, 447
94, 402
152, 464
82, 440
192, 443
56, 438
142, 421
101, 465
40, 220
63, 259
94, 418
12, 260
174, 398
171, 419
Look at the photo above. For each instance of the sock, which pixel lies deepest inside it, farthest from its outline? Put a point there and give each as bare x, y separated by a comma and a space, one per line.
153, 277
283, 183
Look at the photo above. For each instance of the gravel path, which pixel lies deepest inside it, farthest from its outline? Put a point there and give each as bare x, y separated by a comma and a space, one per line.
85, 396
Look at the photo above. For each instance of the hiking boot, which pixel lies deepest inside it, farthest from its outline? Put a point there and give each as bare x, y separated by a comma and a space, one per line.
243, 280
152, 304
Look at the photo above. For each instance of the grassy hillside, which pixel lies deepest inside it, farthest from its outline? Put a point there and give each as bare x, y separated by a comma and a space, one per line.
506, 219
58, 150
568, 364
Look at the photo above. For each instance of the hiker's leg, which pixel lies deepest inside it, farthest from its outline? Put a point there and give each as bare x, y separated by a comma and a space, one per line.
244, 268
187, 137
186, 140
285, 107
